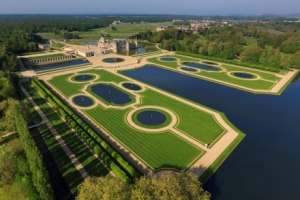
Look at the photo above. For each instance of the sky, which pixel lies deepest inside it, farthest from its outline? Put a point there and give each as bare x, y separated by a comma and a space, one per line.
184, 7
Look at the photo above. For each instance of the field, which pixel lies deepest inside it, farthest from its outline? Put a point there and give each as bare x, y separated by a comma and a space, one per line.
263, 81
122, 31
157, 150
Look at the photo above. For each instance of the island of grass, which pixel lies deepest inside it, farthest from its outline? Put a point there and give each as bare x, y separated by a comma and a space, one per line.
157, 150
44, 56
263, 83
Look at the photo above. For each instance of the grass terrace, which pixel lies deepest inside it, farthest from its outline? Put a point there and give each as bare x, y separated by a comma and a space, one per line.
265, 80
45, 56
157, 150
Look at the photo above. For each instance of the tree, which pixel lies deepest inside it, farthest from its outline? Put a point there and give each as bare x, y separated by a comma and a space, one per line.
105, 188
113, 28
171, 186
295, 60
8, 165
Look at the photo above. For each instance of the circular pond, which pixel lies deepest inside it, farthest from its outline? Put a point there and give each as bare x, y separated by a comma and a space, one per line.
151, 118
209, 63
113, 60
169, 59
188, 69
131, 86
201, 66
83, 77
243, 75
83, 101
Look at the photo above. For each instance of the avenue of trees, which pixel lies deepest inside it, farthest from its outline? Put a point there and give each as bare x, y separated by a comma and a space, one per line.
171, 186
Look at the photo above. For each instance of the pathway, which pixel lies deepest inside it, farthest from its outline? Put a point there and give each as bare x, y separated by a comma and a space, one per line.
61, 142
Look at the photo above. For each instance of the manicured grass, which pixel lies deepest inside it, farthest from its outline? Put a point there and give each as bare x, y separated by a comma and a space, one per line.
66, 87
47, 36
166, 123
156, 150
193, 122
255, 84
105, 75
85, 157
61, 69
132, 97
75, 43
268, 83
57, 45
264, 75
123, 30
45, 56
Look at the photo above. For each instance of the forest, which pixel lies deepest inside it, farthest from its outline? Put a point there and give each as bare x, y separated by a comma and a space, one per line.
244, 42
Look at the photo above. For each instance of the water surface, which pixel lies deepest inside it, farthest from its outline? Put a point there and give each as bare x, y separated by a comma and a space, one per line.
266, 163
151, 118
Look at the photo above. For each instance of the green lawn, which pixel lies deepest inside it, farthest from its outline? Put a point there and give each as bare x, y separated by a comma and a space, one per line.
193, 122
197, 124
251, 41
266, 84
75, 43
104, 75
85, 157
123, 30
69, 88
57, 45
46, 56
132, 97
156, 150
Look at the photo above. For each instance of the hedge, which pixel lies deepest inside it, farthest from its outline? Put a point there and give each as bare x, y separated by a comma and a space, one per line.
234, 62
40, 176
87, 134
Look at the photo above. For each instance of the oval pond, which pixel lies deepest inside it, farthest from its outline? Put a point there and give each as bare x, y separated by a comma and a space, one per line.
201, 66
243, 75
113, 60
131, 86
83, 101
151, 118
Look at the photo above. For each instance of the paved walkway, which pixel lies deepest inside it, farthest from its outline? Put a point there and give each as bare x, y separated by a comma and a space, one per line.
211, 153
61, 142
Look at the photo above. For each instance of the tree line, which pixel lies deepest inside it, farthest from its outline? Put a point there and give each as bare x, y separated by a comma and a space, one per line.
231, 43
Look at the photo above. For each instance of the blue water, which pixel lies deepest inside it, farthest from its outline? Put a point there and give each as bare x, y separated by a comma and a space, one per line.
209, 63
266, 164
95, 43
113, 60
131, 86
201, 66
140, 50
63, 65
243, 75
83, 101
168, 59
83, 77
151, 118
188, 69
111, 94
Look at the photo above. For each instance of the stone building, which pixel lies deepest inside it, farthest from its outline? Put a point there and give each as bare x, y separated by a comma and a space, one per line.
117, 45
